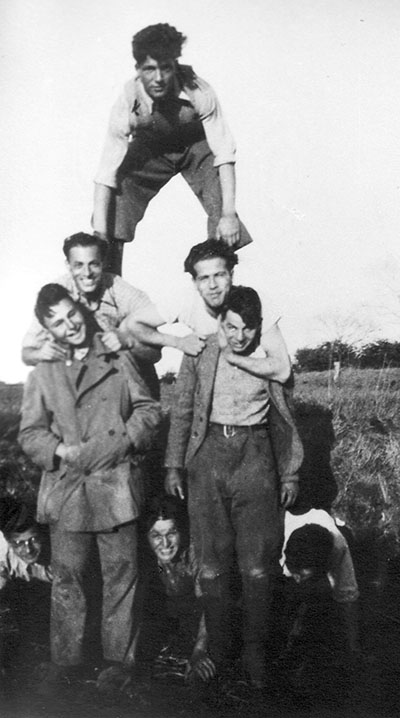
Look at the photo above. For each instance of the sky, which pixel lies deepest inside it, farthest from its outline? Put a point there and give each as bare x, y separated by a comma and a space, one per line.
310, 89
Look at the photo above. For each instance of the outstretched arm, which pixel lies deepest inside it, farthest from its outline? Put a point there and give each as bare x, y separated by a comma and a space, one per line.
143, 328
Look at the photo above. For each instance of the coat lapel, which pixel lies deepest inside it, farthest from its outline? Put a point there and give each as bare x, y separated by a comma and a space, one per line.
207, 369
100, 366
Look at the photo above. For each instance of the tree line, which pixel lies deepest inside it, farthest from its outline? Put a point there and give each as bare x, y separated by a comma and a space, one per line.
376, 355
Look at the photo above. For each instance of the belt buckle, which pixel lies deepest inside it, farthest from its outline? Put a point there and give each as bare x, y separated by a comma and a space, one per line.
229, 431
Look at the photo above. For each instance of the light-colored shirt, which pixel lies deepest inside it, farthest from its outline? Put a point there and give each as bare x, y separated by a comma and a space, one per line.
187, 307
117, 300
133, 110
239, 398
341, 574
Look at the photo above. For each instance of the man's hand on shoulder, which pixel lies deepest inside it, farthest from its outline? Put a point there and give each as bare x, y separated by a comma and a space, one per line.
228, 229
192, 344
111, 340
49, 351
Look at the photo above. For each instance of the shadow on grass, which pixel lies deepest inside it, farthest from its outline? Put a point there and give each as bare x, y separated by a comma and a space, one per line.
318, 488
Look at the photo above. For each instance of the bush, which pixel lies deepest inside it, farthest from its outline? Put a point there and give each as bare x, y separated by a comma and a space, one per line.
323, 356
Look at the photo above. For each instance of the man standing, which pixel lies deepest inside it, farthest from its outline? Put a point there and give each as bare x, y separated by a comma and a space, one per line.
234, 434
166, 121
87, 420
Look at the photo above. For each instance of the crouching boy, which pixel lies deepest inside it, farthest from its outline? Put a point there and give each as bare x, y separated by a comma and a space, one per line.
325, 621
25, 577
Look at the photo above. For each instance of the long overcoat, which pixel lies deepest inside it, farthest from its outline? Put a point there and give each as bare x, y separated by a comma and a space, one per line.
104, 407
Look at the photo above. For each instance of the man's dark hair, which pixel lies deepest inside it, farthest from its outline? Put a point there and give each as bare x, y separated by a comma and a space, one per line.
161, 42
210, 249
49, 296
15, 516
245, 302
164, 508
82, 239
309, 547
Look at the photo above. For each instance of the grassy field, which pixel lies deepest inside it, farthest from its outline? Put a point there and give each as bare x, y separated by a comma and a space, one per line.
351, 435
352, 429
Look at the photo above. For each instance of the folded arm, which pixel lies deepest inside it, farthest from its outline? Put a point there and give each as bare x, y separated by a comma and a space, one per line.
275, 365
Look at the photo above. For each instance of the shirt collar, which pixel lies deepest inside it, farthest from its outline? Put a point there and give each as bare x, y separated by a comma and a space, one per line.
148, 102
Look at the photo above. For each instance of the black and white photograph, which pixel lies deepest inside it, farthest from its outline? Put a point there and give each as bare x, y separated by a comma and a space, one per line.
200, 362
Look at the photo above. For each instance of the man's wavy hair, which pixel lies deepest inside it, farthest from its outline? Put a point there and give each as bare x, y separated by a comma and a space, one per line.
210, 249
82, 239
245, 302
161, 42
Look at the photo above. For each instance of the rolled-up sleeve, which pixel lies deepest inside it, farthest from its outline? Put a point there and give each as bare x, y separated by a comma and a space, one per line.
217, 131
116, 142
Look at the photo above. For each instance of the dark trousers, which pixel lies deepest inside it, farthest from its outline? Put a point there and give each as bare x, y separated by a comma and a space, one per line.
234, 515
71, 552
145, 171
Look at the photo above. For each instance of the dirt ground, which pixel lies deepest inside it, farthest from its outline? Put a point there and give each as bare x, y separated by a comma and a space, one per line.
369, 689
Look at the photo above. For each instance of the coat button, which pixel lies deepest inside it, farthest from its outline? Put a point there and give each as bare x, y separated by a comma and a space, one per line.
111, 432
87, 472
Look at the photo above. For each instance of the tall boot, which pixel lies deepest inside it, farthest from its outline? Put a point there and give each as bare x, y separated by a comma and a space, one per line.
217, 607
256, 609
115, 253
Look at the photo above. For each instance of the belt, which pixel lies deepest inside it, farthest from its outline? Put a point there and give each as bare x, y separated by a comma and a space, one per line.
229, 430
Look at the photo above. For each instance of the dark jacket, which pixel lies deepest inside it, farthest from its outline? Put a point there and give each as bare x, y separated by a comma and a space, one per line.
191, 411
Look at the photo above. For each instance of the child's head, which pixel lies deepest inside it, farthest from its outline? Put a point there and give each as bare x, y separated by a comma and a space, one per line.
165, 528
20, 529
308, 552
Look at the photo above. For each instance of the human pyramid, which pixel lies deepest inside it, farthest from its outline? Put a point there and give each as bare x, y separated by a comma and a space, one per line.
91, 415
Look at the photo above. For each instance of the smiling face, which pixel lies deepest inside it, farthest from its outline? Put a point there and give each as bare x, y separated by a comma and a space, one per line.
213, 281
86, 267
238, 335
157, 76
66, 323
165, 540
26, 544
